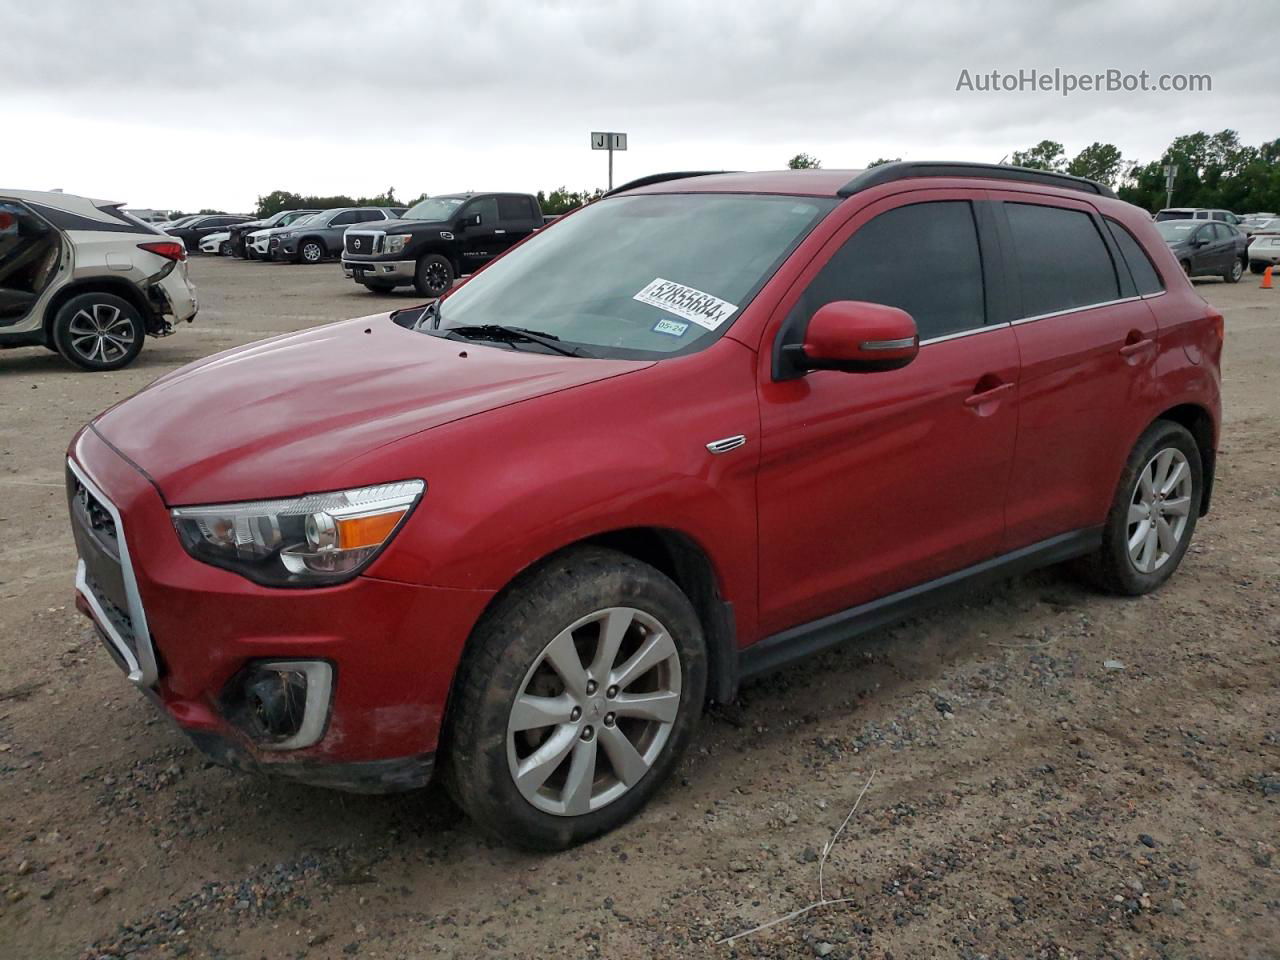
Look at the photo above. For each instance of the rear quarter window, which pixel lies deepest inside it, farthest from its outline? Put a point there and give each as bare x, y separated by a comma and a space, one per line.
1145, 276
1063, 262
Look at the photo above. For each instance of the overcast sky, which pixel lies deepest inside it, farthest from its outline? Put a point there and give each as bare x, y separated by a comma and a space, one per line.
211, 104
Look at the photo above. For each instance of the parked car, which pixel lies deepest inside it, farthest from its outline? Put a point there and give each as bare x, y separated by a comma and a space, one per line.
1252, 223
1264, 246
1197, 213
216, 243
85, 279
1206, 248
195, 229
321, 236
438, 240
700, 428
240, 232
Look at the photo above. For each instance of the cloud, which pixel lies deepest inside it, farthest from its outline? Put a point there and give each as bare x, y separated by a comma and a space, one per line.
196, 105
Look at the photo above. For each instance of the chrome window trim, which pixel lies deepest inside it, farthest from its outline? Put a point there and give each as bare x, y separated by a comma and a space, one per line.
142, 667
985, 328
1079, 309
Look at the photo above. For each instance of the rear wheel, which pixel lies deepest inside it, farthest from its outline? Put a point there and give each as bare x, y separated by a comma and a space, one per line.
98, 331
224, 248
577, 696
1153, 517
310, 251
434, 276
1234, 274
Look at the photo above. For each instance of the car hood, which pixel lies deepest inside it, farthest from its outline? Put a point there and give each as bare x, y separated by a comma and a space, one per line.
406, 225
281, 417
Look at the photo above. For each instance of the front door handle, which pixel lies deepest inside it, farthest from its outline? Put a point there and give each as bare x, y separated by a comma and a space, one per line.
987, 395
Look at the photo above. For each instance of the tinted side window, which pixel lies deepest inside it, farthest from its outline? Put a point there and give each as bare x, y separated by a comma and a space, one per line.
513, 208
364, 216
487, 207
344, 218
1144, 271
882, 263
1062, 260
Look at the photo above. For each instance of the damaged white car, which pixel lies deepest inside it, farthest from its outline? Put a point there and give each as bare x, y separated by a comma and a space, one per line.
86, 279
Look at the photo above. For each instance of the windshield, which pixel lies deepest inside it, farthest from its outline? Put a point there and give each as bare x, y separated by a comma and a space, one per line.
294, 216
1176, 229
642, 276
305, 218
434, 208
1174, 215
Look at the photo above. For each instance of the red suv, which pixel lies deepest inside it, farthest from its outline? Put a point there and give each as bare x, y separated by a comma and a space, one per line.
703, 427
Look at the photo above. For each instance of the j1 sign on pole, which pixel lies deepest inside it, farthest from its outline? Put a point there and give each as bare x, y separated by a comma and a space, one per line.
610, 142
1170, 173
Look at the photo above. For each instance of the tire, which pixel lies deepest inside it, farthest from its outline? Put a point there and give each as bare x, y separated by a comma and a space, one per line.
375, 287
1235, 273
434, 275
224, 249
1186, 268
98, 331
310, 250
1257, 266
250, 253
554, 612
1165, 450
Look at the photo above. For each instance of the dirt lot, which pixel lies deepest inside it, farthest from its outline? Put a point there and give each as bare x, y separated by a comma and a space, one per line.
1029, 799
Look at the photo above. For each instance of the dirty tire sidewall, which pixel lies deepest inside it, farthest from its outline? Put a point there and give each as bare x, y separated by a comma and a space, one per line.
1110, 568
62, 334
428, 267
511, 635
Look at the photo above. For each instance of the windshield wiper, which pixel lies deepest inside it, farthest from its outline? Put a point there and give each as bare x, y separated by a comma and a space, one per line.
513, 335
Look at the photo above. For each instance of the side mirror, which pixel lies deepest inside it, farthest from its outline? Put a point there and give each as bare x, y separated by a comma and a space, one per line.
857, 337
473, 220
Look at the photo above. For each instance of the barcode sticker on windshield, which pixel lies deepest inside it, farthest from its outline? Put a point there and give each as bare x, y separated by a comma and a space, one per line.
702, 308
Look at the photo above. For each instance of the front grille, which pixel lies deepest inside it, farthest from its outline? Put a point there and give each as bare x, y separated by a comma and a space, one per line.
106, 579
361, 244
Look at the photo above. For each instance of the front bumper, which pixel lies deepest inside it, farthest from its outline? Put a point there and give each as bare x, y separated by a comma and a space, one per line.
387, 271
393, 646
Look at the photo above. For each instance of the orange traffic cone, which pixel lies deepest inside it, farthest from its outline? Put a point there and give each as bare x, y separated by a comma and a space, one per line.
1266, 279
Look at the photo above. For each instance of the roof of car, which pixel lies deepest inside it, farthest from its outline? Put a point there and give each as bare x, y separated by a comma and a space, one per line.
57, 198
844, 183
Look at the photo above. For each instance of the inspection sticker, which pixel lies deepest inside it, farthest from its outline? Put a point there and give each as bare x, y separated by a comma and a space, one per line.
673, 327
702, 308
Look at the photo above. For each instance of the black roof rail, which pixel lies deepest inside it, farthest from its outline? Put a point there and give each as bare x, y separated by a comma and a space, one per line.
889, 172
663, 178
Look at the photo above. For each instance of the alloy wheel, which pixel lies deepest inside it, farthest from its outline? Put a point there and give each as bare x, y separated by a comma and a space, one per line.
1159, 510
101, 333
311, 252
594, 712
437, 276
1237, 270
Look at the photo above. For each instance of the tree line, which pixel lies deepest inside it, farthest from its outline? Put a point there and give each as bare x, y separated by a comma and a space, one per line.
1214, 170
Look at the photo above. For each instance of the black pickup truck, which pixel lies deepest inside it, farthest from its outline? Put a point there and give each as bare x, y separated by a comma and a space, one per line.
438, 240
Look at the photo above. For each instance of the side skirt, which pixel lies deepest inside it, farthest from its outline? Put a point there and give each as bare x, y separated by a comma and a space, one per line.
777, 651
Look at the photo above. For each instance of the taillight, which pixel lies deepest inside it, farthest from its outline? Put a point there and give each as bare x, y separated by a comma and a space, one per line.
169, 249
1219, 328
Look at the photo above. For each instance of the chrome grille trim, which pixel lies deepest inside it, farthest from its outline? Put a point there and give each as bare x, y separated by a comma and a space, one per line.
142, 663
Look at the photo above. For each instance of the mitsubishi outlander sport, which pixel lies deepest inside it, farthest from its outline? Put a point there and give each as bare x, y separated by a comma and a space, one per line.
691, 432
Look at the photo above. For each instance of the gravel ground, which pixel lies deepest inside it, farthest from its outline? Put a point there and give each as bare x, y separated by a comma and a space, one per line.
1056, 773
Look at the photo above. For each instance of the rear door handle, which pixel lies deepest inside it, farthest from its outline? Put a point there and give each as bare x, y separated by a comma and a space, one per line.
986, 396
1131, 349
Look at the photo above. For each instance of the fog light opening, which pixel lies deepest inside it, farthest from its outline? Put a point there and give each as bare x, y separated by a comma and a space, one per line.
285, 703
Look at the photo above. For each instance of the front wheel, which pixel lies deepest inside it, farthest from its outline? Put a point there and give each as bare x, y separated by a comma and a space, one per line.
434, 276
578, 694
374, 286
1153, 516
310, 251
98, 331
1236, 271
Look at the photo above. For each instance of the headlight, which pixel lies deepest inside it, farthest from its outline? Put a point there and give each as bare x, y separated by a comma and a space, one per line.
314, 540
288, 235
395, 242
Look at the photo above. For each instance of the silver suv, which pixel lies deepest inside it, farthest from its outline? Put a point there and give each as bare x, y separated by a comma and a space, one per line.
87, 279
